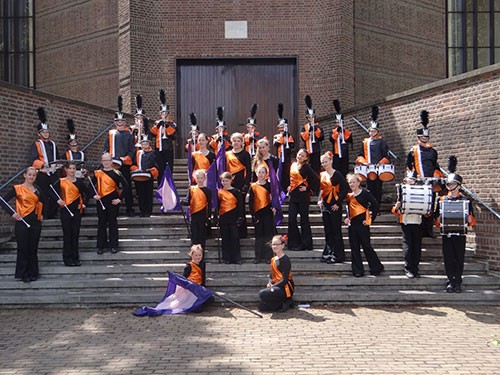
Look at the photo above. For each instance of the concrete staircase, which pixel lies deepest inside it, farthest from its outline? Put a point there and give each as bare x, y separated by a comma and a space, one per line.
150, 247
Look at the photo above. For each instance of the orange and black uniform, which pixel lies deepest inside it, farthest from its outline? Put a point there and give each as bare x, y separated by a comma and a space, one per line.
239, 165
42, 153
283, 287
374, 151
165, 133
200, 207
120, 143
29, 205
412, 239
259, 203
107, 184
195, 272
145, 161
454, 248
284, 155
230, 213
341, 149
216, 141
250, 141
201, 161
299, 205
76, 155
359, 235
75, 194
333, 190
313, 148
422, 158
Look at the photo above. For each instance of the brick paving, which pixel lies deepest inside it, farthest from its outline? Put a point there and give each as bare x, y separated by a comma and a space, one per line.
221, 340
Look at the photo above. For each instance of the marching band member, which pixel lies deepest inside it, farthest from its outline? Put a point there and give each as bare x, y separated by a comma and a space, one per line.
72, 199
165, 131
454, 244
259, 203
264, 157
73, 153
284, 143
120, 145
199, 199
203, 158
303, 182
362, 210
145, 161
43, 154
422, 159
221, 135
251, 136
107, 182
312, 135
230, 216
412, 233
192, 141
340, 138
333, 190
277, 296
28, 216
138, 129
238, 163
374, 151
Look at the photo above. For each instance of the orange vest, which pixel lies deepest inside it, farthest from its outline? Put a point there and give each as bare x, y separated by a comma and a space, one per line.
200, 161
198, 199
196, 275
27, 202
227, 201
296, 178
234, 164
105, 184
328, 191
276, 276
262, 197
355, 208
70, 192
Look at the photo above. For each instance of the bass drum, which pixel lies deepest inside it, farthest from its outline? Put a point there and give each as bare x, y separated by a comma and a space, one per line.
415, 199
362, 170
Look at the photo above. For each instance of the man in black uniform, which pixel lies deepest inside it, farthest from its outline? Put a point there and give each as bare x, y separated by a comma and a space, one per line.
73, 153
43, 154
120, 145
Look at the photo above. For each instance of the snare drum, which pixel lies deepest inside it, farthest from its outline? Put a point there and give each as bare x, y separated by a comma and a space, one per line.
141, 175
415, 199
362, 170
454, 216
372, 172
117, 163
385, 172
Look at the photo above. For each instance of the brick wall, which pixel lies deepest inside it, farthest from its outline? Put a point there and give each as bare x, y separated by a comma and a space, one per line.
19, 128
77, 49
464, 121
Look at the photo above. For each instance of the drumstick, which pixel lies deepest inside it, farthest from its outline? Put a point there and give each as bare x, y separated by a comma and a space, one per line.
13, 211
95, 190
59, 197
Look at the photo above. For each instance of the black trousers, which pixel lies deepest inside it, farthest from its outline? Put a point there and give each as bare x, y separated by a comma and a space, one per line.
144, 190
71, 234
454, 257
127, 190
314, 161
199, 228
341, 164
107, 219
299, 240
230, 238
334, 243
412, 246
27, 248
163, 158
375, 187
271, 299
359, 236
50, 205
264, 232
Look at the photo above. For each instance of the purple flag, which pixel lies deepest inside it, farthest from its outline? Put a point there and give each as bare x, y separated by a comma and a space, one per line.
166, 193
220, 160
181, 296
277, 195
212, 178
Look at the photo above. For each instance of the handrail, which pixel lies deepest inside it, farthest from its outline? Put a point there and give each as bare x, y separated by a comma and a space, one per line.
83, 149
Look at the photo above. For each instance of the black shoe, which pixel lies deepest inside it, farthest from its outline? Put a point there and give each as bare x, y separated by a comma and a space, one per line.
450, 289
410, 275
458, 288
358, 275
325, 259
227, 262
333, 261
238, 262
114, 250
69, 264
378, 272
77, 263
100, 251
26, 279
33, 278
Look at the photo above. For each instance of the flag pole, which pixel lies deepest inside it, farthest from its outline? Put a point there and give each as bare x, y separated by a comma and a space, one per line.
237, 304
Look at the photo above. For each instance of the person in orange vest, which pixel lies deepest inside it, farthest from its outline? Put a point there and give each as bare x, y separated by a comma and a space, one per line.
312, 135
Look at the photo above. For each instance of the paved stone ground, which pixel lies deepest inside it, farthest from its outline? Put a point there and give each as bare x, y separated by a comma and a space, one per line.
221, 340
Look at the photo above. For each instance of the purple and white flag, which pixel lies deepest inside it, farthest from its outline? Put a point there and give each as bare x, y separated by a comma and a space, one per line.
181, 296
277, 195
220, 161
166, 193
